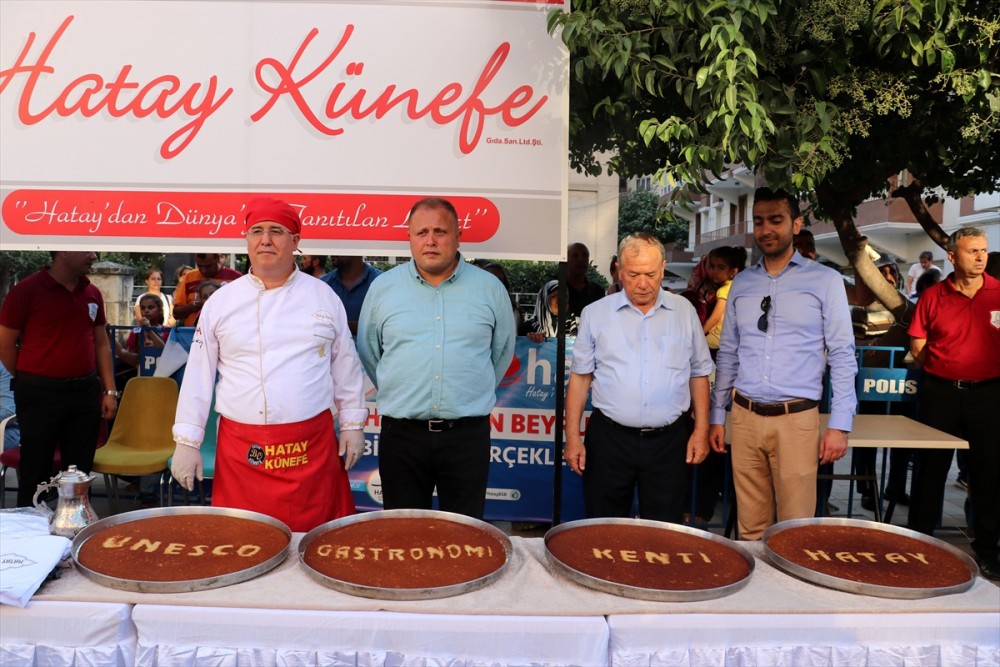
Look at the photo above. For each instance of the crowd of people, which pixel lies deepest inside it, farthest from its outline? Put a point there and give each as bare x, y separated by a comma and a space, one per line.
283, 347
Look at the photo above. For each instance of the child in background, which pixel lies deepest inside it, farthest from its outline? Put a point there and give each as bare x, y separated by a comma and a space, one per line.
206, 289
723, 264
151, 311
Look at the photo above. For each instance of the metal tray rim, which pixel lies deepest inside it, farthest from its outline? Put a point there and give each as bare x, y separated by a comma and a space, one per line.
850, 586
651, 594
405, 594
186, 585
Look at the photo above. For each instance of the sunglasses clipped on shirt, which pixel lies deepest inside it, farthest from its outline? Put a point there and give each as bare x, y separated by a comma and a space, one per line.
765, 305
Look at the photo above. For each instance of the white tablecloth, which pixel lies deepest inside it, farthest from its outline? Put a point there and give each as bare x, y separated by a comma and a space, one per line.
534, 616
529, 588
67, 633
807, 639
188, 636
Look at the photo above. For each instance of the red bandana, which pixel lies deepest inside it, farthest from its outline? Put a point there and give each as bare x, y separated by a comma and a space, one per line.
265, 209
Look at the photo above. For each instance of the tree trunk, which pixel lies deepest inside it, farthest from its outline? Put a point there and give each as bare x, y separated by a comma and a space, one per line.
912, 194
854, 243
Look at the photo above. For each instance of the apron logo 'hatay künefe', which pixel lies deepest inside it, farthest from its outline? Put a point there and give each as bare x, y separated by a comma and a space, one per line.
256, 455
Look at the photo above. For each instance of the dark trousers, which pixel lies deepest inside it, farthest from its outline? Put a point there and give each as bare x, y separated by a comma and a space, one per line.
619, 461
51, 414
974, 415
413, 460
711, 474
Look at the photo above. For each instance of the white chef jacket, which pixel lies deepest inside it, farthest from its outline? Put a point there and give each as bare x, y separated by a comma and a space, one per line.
283, 355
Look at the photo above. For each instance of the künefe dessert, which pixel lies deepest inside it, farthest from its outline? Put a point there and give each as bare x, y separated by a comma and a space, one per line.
403, 553
183, 547
648, 557
869, 556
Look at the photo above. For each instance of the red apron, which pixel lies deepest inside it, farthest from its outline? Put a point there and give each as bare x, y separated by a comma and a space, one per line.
288, 471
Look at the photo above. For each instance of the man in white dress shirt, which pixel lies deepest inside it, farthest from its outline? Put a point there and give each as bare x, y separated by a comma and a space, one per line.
643, 353
279, 341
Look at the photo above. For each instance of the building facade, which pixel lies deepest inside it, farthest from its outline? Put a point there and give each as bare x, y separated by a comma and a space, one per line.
723, 216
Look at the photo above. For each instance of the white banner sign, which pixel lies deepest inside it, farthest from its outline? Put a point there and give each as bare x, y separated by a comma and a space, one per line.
146, 126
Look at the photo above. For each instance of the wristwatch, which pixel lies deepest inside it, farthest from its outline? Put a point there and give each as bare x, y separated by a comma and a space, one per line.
112, 392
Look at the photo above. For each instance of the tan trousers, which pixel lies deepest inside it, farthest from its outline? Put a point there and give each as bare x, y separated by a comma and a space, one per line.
774, 468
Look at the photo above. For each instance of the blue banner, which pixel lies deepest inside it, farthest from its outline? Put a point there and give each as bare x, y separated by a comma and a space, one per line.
522, 454
149, 356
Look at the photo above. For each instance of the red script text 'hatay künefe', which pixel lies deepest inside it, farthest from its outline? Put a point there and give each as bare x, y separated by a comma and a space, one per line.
120, 95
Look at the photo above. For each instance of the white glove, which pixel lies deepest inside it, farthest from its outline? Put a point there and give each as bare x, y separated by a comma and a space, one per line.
353, 443
186, 465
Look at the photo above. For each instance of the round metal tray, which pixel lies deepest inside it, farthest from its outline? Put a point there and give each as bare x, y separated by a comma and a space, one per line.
850, 586
405, 593
635, 592
188, 585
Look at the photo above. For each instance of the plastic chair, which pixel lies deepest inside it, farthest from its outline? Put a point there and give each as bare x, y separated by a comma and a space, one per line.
140, 442
207, 459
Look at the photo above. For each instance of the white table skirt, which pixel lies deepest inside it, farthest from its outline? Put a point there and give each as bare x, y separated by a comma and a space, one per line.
67, 633
189, 636
806, 639
532, 615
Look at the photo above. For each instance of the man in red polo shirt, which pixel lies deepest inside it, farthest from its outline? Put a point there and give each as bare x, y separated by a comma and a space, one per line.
955, 336
187, 305
58, 318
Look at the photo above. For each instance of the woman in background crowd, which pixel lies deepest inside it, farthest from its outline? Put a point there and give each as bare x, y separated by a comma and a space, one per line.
154, 283
182, 271
616, 284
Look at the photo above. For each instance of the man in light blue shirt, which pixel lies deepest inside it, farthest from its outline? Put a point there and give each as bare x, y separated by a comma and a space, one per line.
787, 318
643, 354
436, 336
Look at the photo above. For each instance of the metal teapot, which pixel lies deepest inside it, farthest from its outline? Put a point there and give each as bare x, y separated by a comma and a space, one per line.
73, 511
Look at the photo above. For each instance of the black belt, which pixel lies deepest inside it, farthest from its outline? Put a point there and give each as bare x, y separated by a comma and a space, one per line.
774, 409
65, 384
962, 384
434, 425
634, 430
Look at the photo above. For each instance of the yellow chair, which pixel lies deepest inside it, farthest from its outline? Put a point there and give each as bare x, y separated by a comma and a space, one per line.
141, 441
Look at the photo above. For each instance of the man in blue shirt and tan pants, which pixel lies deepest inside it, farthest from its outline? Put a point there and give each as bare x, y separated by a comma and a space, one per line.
436, 336
786, 318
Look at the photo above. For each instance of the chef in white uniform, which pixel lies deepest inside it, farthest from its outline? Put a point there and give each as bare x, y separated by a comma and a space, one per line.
278, 341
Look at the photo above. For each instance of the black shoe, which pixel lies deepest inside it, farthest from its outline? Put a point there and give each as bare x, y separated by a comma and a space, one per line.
989, 568
868, 503
904, 499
